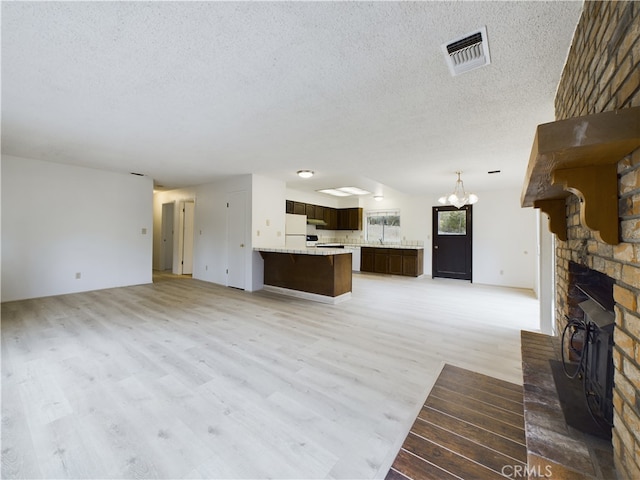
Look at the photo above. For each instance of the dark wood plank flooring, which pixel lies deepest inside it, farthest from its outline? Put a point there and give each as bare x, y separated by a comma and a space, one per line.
470, 427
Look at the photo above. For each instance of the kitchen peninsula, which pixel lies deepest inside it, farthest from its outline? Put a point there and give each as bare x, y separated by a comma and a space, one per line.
320, 274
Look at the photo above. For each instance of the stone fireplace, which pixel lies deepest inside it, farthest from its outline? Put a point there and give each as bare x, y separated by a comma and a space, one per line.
590, 305
602, 74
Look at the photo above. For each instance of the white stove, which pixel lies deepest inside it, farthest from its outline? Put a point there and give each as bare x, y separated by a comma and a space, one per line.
312, 241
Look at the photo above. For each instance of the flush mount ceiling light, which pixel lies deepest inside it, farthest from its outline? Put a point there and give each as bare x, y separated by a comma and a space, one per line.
305, 173
335, 192
354, 190
458, 198
344, 191
378, 198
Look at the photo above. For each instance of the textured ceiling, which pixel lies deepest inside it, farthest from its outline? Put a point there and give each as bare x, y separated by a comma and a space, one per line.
189, 92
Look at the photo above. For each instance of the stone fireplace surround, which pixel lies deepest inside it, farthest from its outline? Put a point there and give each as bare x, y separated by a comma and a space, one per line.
602, 74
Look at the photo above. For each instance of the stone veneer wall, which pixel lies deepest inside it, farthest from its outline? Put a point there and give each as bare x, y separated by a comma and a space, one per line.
603, 74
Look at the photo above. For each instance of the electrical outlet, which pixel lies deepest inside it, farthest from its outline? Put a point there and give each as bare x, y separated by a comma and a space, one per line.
144, 231
206, 267
78, 275
258, 233
268, 222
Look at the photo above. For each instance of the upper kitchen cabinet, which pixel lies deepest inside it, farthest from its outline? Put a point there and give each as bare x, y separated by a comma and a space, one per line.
350, 219
330, 218
299, 208
310, 211
335, 218
355, 219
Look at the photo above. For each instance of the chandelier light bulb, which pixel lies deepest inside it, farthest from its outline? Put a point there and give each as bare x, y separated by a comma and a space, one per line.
459, 198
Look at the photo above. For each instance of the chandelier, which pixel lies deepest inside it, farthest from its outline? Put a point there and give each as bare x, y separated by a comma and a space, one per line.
458, 198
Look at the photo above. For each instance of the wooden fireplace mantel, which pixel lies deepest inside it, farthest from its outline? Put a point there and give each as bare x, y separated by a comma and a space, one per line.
579, 156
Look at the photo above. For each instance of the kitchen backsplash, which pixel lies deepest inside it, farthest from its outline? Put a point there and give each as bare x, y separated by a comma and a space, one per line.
359, 240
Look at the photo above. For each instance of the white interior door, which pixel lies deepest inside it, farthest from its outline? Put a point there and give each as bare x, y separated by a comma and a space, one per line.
187, 236
236, 239
166, 253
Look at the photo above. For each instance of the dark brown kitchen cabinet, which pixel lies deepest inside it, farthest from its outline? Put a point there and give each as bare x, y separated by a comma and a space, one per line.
331, 218
299, 208
395, 261
310, 211
343, 219
381, 260
355, 219
350, 219
367, 258
335, 218
412, 262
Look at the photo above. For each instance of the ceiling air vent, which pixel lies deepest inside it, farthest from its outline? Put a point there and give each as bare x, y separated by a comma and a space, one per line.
468, 52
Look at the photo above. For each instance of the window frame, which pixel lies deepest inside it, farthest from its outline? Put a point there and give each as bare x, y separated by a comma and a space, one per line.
393, 212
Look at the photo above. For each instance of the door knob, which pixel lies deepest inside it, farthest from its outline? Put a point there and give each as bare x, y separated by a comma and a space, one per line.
435, 247
242, 245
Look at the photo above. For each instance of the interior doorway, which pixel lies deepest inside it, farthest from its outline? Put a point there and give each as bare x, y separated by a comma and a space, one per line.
185, 239
166, 248
452, 242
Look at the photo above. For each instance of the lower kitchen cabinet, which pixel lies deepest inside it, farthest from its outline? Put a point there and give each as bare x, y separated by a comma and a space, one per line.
367, 257
413, 262
381, 262
395, 261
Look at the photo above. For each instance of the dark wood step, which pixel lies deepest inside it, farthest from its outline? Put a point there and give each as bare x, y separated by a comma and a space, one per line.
470, 427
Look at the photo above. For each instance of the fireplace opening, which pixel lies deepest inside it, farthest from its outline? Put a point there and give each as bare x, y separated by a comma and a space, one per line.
586, 388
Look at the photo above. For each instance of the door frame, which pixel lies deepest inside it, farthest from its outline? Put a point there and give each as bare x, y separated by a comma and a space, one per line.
167, 238
187, 233
468, 244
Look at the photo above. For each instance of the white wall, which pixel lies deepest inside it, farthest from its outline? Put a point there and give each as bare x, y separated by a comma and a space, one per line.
504, 241
59, 220
268, 221
268, 212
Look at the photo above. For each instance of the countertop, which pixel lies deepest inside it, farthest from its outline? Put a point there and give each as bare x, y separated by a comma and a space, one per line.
335, 251
305, 251
384, 245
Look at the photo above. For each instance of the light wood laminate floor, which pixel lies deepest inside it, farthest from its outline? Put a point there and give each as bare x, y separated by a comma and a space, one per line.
186, 379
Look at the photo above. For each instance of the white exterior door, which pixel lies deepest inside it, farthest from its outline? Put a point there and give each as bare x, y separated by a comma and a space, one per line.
236, 239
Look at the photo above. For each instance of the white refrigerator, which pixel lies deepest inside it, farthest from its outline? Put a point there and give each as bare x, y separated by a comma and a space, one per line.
295, 231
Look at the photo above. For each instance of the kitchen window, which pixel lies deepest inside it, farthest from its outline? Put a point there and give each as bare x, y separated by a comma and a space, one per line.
383, 226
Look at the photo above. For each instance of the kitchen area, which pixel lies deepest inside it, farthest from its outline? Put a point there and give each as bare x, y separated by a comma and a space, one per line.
324, 246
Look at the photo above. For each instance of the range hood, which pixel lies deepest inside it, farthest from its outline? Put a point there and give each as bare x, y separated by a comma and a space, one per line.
314, 221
